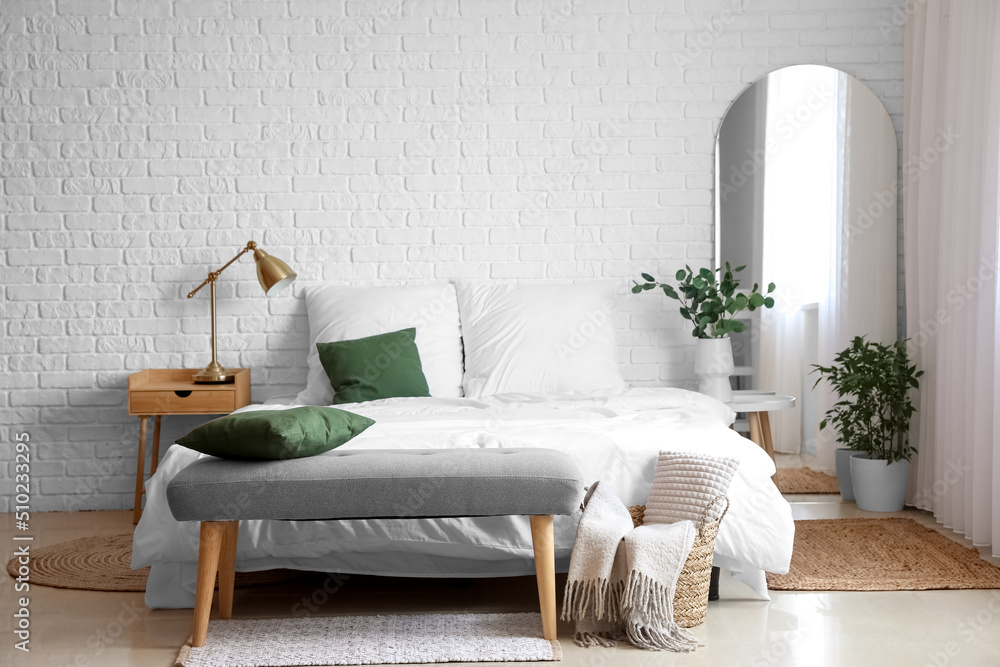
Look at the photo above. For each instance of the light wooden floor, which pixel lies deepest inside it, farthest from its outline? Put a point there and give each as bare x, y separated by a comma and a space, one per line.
815, 629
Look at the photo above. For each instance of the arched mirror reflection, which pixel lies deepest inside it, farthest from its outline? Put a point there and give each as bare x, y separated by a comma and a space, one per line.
806, 198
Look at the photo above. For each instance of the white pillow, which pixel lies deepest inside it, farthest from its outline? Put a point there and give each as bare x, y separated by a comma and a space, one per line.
539, 338
343, 312
685, 485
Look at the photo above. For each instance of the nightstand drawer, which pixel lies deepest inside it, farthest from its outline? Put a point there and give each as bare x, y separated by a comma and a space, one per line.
175, 402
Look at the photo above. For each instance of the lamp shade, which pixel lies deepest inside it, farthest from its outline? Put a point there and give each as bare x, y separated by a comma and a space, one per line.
272, 273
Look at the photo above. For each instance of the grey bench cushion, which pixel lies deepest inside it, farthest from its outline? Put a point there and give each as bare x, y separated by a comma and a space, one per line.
379, 483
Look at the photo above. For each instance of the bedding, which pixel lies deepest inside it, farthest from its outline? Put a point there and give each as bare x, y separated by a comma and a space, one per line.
615, 439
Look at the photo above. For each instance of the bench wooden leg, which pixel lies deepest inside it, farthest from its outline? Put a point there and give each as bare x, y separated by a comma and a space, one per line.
209, 546
227, 568
545, 571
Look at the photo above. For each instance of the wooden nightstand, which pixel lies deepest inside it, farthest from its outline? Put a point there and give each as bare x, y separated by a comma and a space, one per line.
168, 391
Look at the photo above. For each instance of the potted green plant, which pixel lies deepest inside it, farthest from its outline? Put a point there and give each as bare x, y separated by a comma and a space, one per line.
710, 299
872, 418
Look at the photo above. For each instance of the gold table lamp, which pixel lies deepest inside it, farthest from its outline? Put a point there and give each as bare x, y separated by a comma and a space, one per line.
273, 275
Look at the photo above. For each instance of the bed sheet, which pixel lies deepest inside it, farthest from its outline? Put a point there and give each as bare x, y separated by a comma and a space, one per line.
614, 439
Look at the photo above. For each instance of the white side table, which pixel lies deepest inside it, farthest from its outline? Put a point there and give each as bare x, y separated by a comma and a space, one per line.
757, 404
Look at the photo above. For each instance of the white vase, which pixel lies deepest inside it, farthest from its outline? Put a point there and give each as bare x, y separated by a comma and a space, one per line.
713, 364
879, 487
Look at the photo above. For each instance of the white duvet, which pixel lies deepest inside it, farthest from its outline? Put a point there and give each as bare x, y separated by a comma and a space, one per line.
613, 439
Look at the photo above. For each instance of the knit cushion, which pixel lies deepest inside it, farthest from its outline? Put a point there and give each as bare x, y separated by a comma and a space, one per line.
685, 484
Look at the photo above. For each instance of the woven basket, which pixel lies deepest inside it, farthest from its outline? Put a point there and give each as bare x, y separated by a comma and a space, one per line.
691, 595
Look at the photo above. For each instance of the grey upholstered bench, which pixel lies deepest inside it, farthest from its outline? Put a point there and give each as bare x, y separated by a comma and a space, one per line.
371, 484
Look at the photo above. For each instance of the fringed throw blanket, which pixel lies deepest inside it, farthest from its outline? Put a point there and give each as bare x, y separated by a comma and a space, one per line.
622, 580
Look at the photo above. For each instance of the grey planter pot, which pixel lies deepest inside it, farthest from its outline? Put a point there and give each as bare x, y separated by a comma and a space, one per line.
843, 460
879, 487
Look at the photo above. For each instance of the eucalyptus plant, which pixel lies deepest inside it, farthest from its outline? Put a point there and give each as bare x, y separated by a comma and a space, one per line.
710, 300
873, 382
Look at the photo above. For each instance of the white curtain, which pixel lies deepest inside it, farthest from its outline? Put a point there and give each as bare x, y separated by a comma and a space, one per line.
951, 118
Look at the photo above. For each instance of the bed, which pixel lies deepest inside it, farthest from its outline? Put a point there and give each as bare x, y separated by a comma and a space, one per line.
493, 399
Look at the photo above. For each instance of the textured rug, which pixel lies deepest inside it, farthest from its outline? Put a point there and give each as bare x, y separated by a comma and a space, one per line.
805, 480
880, 555
373, 640
103, 564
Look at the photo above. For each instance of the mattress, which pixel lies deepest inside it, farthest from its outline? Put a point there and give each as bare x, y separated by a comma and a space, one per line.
615, 439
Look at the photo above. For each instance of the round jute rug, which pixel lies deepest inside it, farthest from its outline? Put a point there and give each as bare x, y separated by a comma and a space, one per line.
103, 564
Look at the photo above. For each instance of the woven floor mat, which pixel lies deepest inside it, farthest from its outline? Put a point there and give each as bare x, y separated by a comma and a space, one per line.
880, 555
373, 640
805, 480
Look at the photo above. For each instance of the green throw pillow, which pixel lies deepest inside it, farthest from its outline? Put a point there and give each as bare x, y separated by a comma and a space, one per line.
276, 434
382, 366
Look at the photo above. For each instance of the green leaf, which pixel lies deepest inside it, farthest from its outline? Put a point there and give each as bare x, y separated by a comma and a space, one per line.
680, 275
648, 278
636, 289
706, 274
770, 287
737, 326
739, 268
669, 291
769, 302
756, 300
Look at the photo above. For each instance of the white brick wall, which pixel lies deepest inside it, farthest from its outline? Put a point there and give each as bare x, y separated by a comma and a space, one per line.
145, 141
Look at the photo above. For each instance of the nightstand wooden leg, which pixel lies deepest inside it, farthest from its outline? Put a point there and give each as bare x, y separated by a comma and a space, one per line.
755, 431
156, 445
765, 429
140, 471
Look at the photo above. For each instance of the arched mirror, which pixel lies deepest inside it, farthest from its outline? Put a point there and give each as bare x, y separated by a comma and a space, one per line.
806, 197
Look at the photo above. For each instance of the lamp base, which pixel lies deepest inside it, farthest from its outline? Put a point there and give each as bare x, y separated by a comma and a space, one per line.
214, 373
